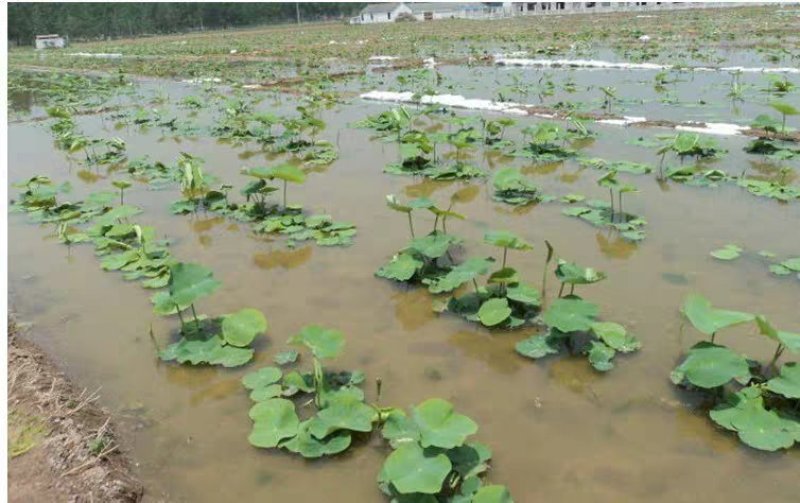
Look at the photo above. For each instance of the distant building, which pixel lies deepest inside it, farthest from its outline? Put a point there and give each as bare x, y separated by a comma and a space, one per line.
50, 42
429, 11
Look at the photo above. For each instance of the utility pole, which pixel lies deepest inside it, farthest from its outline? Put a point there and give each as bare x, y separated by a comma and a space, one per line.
297, 10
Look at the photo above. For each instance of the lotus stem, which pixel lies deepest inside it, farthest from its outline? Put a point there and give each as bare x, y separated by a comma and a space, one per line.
778, 353
561, 290
284, 193
505, 254
194, 315
411, 225
712, 337
611, 193
378, 386
435, 223
153, 339
619, 206
572, 288
180, 316
121, 197
475, 284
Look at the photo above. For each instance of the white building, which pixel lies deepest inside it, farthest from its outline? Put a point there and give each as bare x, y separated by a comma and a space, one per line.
428, 11
50, 42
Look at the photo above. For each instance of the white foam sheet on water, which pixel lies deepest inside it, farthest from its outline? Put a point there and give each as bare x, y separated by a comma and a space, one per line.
503, 60
105, 55
457, 101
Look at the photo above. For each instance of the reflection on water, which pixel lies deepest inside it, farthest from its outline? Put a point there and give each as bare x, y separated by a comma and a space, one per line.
615, 246
286, 259
412, 307
494, 349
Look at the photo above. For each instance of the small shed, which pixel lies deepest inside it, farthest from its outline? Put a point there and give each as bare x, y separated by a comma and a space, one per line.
53, 41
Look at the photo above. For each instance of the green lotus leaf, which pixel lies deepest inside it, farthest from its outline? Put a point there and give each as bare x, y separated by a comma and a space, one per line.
398, 429
411, 470
460, 274
572, 273
163, 304
708, 365
440, 426
286, 357
273, 421
267, 392
709, 320
210, 351
493, 494
323, 342
240, 328
788, 382
421, 203
402, 267
391, 201
779, 270
262, 377
345, 412
434, 245
287, 173
615, 336
189, 282
727, 252
570, 315
600, 356
504, 276
299, 382
784, 108
494, 311
470, 460
524, 294
789, 339
506, 239
309, 447
793, 264
756, 426
537, 346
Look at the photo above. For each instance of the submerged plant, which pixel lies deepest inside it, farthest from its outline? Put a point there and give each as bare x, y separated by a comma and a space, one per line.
511, 187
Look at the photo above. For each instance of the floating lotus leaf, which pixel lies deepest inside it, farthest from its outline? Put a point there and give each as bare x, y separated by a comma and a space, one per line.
793, 264
267, 392
440, 426
572, 273
286, 357
524, 294
615, 336
189, 282
709, 320
470, 460
211, 351
460, 274
788, 339
537, 346
727, 252
398, 429
411, 470
600, 356
262, 377
493, 494
298, 382
273, 421
345, 412
494, 311
708, 366
240, 328
309, 447
506, 239
402, 267
434, 245
323, 342
757, 427
570, 315
788, 382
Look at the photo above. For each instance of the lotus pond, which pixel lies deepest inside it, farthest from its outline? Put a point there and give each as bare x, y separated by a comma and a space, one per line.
299, 293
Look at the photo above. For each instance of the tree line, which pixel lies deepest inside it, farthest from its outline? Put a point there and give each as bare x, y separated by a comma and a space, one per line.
85, 21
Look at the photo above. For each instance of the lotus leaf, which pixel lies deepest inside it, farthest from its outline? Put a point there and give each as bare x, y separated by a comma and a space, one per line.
398, 429
537, 346
570, 314
571, 273
402, 267
600, 356
470, 460
756, 426
727, 252
434, 245
309, 447
708, 365
262, 378
323, 342
240, 328
788, 382
494, 311
286, 357
345, 412
506, 239
493, 494
440, 426
410, 469
615, 336
189, 282
524, 294
788, 339
267, 392
211, 351
460, 274
273, 421
709, 320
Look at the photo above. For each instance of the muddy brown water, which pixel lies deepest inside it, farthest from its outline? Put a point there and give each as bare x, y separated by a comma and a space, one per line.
559, 431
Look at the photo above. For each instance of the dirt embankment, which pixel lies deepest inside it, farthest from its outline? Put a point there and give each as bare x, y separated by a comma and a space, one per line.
62, 445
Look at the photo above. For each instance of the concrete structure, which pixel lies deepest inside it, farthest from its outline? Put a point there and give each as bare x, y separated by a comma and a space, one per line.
429, 11
50, 42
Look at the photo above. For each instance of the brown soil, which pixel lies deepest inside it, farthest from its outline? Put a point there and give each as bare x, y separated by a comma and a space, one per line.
63, 444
